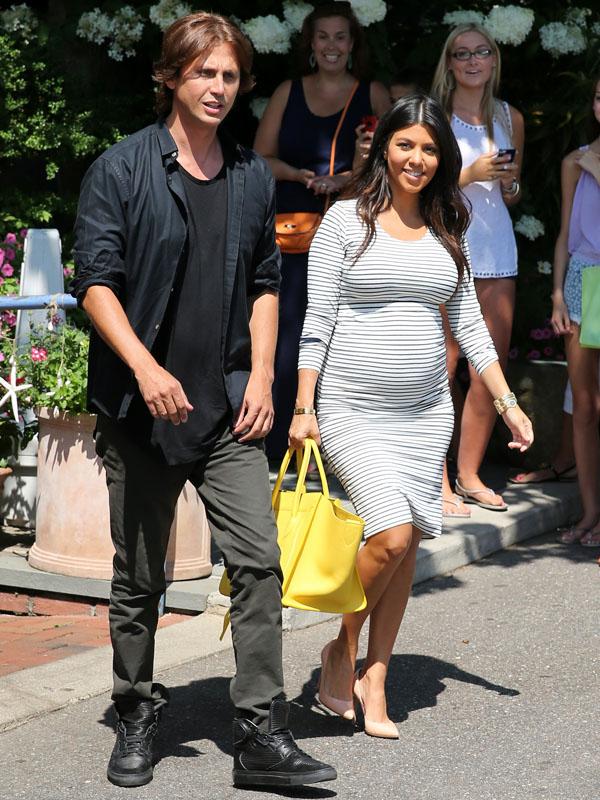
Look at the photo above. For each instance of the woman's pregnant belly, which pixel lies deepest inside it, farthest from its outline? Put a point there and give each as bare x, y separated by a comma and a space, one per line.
388, 358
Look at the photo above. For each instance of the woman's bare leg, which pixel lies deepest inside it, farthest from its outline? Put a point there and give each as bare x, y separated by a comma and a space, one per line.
451, 503
377, 562
583, 371
384, 625
497, 300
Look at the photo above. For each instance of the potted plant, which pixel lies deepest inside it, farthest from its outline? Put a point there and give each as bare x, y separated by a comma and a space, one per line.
72, 519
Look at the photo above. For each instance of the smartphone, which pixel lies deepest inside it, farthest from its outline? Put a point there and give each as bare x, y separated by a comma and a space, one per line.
369, 121
507, 151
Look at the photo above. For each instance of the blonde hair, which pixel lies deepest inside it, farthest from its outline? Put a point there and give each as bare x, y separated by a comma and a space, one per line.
444, 82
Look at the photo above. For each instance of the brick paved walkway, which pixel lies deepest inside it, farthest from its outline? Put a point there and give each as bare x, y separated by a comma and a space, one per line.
28, 641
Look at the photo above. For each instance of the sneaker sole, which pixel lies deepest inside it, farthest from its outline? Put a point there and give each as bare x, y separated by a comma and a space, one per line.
257, 778
140, 779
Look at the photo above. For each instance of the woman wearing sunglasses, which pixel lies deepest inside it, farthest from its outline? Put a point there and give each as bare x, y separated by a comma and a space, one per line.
490, 135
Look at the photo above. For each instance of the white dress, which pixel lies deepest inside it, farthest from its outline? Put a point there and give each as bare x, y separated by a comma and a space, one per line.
490, 235
373, 331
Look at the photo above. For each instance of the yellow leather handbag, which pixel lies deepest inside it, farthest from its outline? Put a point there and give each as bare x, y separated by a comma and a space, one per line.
319, 540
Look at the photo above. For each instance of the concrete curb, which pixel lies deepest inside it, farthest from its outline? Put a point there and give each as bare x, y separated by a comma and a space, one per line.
40, 690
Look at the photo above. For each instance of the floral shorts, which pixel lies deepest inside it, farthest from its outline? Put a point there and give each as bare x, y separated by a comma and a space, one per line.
572, 287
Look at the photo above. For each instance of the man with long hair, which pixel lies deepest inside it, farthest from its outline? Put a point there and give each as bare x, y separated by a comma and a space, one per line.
179, 272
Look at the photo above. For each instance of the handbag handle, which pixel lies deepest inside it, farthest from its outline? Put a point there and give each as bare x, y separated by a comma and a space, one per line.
335, 138
310, 448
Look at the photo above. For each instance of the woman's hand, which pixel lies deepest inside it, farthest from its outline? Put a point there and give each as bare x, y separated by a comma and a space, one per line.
362, 148
590, 162
561, 322
304, 426
491, 167
304, 176
327, 184
520, 427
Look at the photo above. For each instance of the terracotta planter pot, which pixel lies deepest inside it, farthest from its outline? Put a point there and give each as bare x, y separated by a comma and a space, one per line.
73, 528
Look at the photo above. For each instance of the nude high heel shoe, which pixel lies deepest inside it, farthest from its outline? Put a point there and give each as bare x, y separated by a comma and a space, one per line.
343, 708
383, 730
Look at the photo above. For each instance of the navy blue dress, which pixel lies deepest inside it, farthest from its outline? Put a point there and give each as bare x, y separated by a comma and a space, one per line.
304, 142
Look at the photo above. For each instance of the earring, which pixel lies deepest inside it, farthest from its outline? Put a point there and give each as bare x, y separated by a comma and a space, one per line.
449, 81
312, 60
349, 62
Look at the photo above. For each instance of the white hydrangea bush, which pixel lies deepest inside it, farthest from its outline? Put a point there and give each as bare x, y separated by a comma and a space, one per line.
122, 31
463, 17
295, 14
530, 227
268, 34
544, 267
128, 27
19, 19
166, 12
561, 38
509, 24
578, 16
258, 106
369, 11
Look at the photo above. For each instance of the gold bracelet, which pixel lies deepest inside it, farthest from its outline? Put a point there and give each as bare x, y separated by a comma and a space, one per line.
304, 411
505, 402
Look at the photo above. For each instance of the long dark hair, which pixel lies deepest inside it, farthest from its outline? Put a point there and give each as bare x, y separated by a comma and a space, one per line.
592, 123
360, 56
442, 204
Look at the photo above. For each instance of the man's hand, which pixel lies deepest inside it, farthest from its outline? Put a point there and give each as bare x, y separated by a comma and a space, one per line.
163, 394
255, 419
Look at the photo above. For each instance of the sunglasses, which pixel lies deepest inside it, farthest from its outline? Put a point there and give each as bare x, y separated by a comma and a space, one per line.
464, 54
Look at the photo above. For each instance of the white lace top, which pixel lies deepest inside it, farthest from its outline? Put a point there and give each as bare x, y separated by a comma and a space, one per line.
490, 235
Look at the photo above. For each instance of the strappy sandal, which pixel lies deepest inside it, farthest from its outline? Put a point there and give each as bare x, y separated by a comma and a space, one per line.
557, 475
573, 534
590, 538
469, 496
454, 501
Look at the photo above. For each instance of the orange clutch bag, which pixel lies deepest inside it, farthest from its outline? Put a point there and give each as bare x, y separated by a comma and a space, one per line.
294, 231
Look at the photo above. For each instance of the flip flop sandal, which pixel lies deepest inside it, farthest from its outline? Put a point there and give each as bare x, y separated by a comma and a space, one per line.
590, 539
572, 535
557, 475
468, 496
454, 501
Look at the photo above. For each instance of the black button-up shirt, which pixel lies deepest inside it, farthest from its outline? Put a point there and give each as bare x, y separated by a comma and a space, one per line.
131, 235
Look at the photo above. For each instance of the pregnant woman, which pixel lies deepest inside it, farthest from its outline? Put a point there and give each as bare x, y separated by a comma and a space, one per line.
373, 350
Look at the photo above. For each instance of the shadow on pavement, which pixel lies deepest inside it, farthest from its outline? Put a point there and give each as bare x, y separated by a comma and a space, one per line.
413, 683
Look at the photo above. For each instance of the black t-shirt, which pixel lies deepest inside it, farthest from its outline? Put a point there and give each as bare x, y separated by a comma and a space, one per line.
189, 343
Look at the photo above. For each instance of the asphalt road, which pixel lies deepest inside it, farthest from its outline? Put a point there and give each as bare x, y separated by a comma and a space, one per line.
495, 685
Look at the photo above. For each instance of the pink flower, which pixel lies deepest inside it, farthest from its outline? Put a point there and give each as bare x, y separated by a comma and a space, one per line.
10, 254
10, 238
2, 254
548, 351
1, 356
67, 272
39, 354
7, 270
547, 333
10, 318
537, 334
533, 355
513, 353
23, 233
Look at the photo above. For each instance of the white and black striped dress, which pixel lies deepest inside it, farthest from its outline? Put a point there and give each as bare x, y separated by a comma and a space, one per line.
373, 331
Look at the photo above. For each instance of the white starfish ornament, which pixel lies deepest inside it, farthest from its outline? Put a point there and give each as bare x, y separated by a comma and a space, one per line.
11, 391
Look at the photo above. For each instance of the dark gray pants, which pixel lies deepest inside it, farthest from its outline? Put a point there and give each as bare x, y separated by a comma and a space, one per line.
233, 482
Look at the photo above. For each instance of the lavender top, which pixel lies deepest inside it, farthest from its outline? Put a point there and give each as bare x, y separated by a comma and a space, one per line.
584, 225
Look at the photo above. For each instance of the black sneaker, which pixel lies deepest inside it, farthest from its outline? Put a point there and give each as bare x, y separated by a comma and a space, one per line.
273, 758
131, 760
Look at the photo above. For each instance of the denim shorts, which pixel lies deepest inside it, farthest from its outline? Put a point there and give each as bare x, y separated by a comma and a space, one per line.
572, 287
